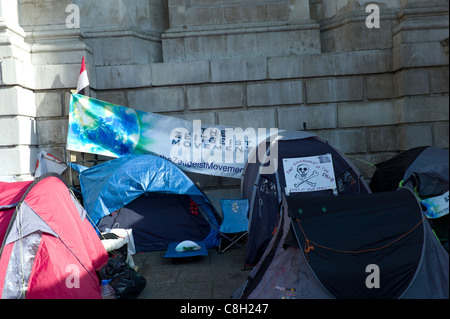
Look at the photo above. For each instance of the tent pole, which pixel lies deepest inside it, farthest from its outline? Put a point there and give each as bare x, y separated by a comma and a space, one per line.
69, 160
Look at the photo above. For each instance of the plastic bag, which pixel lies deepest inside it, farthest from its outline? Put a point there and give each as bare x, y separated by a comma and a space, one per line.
127, 234
116, 244
127, 282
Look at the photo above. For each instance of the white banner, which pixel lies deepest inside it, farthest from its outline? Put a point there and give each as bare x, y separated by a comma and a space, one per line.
112, 130
436, 206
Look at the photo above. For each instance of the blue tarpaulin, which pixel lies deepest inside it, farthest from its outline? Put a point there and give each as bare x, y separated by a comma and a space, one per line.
109, 186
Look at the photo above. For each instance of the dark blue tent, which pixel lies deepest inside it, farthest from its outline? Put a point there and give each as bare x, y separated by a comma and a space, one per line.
151, 196
351, 246
264, 190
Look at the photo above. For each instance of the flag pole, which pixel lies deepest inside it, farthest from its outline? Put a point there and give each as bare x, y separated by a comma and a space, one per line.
82, 88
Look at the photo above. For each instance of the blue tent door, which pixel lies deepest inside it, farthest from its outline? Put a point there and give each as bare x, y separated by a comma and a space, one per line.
158, 219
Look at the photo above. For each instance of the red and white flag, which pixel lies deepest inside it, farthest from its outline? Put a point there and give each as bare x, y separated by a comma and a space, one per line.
47, 163
83, 80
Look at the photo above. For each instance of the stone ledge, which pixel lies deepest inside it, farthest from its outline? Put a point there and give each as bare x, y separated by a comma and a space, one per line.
410, 136
432, 108
380, 86
174, 73
17, 130
15, 72
340, 89
440, 135
241, 70
234, 70
158, 99
123, 76
420, 8
19, 160
255, 118
52, 131
224, 42
215, 96
382, 138
330, 64
58, 76
315, 117
422, 54
444, 43
346, 140
16, 100
275, 93
411, 82
49, 104
367, 114
239, 28
356, 16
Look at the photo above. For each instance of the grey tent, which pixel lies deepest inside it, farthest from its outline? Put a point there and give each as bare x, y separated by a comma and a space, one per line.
425, 170
369, 246
264, 190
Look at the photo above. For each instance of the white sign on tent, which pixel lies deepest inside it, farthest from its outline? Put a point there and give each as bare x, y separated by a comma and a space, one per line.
309, 174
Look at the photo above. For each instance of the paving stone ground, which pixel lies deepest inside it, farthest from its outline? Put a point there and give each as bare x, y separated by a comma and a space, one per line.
215, 276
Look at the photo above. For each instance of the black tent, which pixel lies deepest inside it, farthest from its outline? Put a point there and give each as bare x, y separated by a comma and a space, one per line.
264, 190
425, 170
377, 245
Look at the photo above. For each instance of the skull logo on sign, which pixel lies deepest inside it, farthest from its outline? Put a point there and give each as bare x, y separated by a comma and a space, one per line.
303, 170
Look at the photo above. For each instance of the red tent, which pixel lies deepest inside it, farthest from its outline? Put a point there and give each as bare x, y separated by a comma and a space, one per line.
49, 248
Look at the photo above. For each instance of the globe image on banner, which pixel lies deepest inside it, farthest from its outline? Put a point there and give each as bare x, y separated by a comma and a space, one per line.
115, 130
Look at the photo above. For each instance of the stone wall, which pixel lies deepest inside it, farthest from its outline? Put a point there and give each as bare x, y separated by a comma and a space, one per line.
264, 63
18, 129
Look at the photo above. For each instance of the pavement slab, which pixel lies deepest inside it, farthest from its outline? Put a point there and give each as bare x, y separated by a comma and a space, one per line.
215, 276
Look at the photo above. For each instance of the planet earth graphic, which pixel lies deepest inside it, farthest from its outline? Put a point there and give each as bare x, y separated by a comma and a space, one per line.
112, 131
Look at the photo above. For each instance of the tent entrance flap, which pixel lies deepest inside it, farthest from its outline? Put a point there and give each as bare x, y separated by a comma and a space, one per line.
341, 240
113, 185
159, 219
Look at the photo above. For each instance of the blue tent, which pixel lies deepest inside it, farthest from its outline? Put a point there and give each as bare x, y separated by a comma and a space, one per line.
153, 197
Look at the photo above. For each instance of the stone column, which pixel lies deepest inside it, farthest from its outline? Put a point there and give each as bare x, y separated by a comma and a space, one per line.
57, 45
343, 24
53, 33
118, 38
125, 37
421, 73
18, 136
222, 29
123, 32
